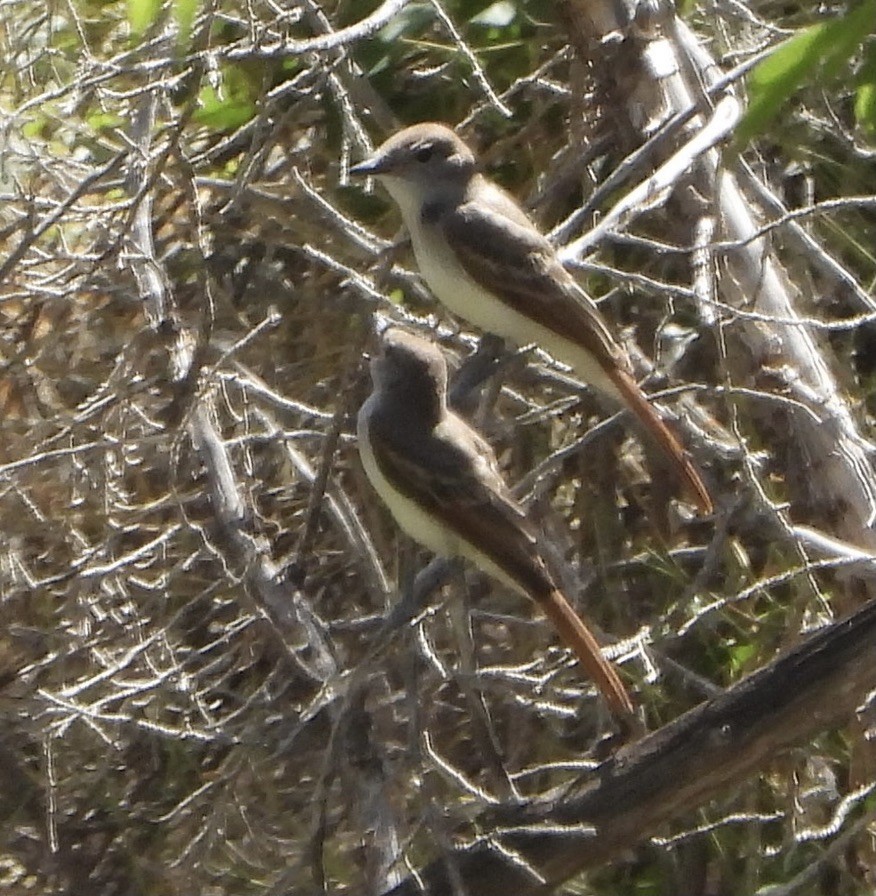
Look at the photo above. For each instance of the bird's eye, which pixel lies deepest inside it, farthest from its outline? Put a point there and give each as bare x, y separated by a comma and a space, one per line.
424, 153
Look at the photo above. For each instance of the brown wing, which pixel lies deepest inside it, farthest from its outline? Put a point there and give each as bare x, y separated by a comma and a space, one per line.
450, 472
514, 261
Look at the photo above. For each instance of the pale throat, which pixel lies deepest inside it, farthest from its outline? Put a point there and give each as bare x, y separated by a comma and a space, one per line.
408, 197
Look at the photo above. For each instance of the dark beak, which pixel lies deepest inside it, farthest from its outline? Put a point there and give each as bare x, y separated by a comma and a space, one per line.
374, 165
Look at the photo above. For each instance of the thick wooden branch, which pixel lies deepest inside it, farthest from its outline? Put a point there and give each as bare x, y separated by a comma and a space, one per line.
696, 758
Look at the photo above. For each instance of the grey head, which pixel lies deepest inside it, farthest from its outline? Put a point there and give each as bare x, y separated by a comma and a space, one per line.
421, 163
411, 372
420, 151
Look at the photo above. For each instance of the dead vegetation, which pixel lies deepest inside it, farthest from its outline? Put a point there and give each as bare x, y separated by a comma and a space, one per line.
205, 684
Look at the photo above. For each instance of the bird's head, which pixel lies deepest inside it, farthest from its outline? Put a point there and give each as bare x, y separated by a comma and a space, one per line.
420, 163
410, 366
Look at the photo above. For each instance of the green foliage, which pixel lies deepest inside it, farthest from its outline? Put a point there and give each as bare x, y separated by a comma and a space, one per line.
141, 15
821, 53
502, 36
229, 104
184, 12
190, 730
865, 98
740, 657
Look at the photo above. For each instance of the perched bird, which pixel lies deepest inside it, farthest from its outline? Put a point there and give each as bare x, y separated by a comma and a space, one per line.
486, 261
440, 481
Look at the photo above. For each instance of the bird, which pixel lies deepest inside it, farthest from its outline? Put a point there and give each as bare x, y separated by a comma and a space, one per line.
441, 482
487, 262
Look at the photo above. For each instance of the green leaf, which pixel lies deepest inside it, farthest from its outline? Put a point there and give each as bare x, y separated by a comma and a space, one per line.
821, 50
103, 121
865, 108
223, 114
37, 128
740, 655
865, 98
790, 61
846, 35
141, 14
497, 15
775, 79
229, 105
184, 11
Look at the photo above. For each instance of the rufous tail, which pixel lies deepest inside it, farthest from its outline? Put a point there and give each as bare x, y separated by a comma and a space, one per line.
576, 635
636, 401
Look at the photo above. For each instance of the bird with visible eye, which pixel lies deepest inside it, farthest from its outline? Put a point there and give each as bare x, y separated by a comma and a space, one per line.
486, 261
441, 481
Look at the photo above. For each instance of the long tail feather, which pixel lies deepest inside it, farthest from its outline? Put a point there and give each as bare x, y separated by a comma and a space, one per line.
635, 400
579, 638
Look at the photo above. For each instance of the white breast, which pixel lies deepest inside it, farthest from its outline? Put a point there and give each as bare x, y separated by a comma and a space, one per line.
421, 526
407, 513
457, 291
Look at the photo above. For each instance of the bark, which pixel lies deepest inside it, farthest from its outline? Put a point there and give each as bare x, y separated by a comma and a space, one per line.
669, 84
699, 756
